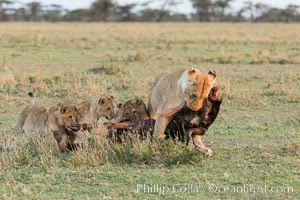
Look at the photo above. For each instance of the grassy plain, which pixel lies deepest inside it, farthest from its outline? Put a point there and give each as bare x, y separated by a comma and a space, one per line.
255, 140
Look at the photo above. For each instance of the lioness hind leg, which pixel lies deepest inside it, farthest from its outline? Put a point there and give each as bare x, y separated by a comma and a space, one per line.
199, 145
160, 126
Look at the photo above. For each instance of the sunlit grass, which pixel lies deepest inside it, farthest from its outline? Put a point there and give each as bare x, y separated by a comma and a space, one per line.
258, 72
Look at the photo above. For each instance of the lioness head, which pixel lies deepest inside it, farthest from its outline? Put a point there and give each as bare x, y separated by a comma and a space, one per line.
68, 114
132, 110
198, 87
106, 107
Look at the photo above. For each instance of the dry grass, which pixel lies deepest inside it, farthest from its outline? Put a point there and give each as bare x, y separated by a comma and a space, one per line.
258, 72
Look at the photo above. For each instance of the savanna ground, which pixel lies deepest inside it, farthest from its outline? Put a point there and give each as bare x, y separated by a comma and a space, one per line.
255, 139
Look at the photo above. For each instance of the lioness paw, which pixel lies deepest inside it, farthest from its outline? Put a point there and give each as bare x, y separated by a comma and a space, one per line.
206, 151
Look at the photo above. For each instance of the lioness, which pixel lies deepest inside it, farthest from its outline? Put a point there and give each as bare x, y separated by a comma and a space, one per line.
90, 111
53, 124
172, 91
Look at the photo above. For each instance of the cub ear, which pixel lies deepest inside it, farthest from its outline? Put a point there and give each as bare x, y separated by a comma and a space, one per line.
101, 100
134, 101
119, 105
212, 76
63, 109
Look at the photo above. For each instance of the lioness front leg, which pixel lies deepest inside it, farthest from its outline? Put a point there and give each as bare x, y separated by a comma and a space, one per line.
198, 144
161, 125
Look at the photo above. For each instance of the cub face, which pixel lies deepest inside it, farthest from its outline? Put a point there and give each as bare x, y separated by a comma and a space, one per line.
135, 109
132, 110
106, 107
68, 114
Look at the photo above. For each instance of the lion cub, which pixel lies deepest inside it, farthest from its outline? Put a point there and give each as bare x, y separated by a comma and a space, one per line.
90, 111
132, 113
133, 110
52, 124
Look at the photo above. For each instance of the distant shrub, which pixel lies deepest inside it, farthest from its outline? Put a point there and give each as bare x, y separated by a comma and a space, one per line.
108, 70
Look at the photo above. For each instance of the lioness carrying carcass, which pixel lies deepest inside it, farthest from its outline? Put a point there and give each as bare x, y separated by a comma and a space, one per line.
185, 124
171, 92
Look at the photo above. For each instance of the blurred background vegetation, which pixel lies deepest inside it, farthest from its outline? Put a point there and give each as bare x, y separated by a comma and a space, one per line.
112, 11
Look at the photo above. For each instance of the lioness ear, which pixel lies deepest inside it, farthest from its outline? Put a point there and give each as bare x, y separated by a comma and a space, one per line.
193, 74
213, 73
191, 71
212, 76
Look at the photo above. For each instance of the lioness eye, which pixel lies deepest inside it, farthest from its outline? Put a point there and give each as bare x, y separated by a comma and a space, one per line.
108, 108
194, 95
70, 117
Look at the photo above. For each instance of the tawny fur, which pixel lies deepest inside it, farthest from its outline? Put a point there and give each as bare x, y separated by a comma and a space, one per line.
91, 111
172, 91
132, 110
50, 124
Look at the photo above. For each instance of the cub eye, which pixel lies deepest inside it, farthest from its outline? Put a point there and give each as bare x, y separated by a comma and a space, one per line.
70, 117
134, 111
194, 96
108, 108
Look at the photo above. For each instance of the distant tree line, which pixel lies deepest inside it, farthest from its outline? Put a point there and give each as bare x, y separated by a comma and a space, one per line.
111, 11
